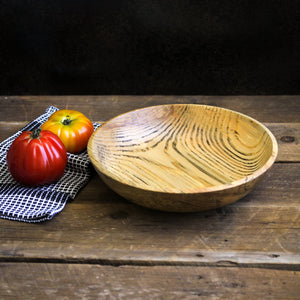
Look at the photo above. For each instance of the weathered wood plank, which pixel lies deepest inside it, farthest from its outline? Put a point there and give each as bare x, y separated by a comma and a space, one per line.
287, 135
9, 128
137, 253
260, 230
73, 281
263, 108
288, 138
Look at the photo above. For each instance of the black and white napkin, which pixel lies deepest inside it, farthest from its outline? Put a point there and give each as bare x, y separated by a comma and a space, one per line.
37, 204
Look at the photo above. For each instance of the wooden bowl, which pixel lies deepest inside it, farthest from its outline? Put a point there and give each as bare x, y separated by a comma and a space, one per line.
182, 157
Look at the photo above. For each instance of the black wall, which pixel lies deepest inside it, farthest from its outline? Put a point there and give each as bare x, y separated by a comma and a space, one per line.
149, 47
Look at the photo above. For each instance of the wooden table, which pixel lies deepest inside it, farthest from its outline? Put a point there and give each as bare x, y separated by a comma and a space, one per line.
101, 246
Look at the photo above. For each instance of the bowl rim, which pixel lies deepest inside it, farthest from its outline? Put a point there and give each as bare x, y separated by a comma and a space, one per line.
222, 187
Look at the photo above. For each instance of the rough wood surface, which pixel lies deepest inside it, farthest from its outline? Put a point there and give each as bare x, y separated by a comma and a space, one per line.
102, 246
279, 109
259, 230
73, 281
288, 138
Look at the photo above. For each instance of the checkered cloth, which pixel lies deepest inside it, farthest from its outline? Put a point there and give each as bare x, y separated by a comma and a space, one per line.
36, 204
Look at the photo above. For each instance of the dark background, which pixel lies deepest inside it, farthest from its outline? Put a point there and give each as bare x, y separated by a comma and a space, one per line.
149, 47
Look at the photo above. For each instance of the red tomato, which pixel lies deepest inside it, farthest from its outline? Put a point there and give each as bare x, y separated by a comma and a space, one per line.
37, 158
72, 127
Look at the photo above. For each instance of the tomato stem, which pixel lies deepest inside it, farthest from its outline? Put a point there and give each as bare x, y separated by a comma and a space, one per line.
36, 133
67, 121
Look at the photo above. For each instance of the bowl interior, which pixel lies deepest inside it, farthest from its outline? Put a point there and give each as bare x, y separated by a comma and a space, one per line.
180, 148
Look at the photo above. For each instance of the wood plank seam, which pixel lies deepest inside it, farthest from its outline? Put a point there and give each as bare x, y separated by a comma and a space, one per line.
148, 263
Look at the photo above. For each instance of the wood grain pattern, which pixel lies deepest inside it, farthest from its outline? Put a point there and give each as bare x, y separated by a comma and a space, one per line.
83, 281
288, 137
98, 226
182, 157
286, 134
275, 109
102, 246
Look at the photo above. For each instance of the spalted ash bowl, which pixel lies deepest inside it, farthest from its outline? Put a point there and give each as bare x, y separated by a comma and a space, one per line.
182, 157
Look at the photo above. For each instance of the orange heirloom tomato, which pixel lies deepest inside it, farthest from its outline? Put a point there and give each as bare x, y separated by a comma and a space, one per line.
72, 127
